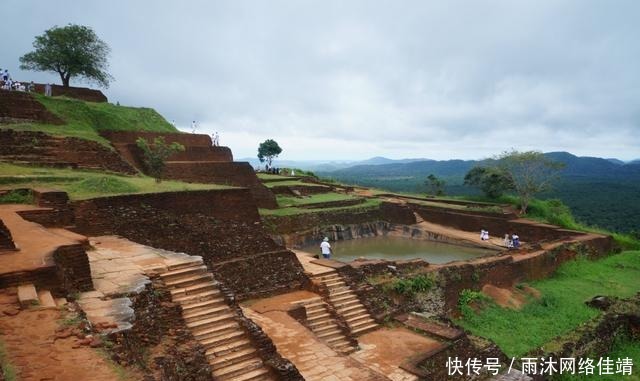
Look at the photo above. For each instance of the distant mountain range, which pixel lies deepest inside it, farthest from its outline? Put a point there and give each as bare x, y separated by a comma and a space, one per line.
602, 192
327, 165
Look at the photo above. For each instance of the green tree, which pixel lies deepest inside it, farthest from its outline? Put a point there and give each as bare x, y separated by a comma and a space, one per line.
435, 185
529, 172
268, 150
492, 181
156, 154
71, 51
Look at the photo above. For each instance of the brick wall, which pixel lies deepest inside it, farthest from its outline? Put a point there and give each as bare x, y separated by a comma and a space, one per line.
21, 107
72, 268
82, 93
40, 148
130, 137
6, 241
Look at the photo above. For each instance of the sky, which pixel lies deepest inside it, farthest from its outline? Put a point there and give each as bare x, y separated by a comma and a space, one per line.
349, 80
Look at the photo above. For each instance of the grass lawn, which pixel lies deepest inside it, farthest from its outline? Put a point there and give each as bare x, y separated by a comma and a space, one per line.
269, 176
291, 183
85, 119
286, 201
80, 184
561, 307
621, 349
288, 211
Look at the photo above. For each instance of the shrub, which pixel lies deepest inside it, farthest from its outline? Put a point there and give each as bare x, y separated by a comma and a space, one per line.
17, 196
411, 286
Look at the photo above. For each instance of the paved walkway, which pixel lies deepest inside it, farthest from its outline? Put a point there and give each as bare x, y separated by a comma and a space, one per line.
306, 260
32, 253
118, 268
387, 348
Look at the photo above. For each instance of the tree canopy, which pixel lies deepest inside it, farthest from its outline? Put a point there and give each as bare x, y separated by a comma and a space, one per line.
156, 154
529, 173
492, 181
268, 150
435, 185
71, 51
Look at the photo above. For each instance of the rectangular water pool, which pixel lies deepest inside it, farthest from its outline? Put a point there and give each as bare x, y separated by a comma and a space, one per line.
397, 248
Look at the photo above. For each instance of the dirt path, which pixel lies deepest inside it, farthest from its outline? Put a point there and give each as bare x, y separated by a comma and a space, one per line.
36, 354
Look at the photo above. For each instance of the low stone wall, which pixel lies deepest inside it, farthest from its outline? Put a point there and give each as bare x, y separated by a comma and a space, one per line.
528, 231
34, 147
43, 278
72, 267
295, 190
260, 275
6, 241
301, 223
159, 341
82, 93
130, 137
234, 173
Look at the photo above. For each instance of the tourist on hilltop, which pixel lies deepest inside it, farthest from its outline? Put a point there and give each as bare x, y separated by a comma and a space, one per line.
194, 127
31, 87
5, 75
217, 139
325, 248
47, 90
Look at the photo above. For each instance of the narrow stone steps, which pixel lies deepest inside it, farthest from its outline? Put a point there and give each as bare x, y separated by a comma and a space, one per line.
233, 357
193, 316
260, 374
187, 281
364, 329
356, 319
204, 286
202, 323
203, 304
348, 303
348, 310
343, 291
46, 299
229, 347
335, 284
183, 271
219, 329
335, 332
222, 338
343, 297
245, 366
185, 263
203, 296
360, 310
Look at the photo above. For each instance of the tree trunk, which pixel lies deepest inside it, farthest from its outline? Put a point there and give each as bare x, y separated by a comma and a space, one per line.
65, 80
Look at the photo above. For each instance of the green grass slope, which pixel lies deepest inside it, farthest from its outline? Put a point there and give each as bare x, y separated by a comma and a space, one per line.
86, 119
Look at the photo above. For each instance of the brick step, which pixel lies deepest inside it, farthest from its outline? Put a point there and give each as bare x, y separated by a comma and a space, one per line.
184, 263
218, 329
46, 299
361, 323
229, 347
27, 295
221, 339
348, 303
190, 270
317, 312
233, 357
187, 281
339, 292
355, 312
343, 297
323, 329
197, 315
200, 297
202, 305
335, 284
260, 374
348, 309
329, 276
210, 321
336, 332
317, 318
355, 320
334, 339
364, 329
195, 289
238, 369
321, 323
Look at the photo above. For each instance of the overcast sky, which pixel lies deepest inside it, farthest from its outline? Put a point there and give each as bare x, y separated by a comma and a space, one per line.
356, 79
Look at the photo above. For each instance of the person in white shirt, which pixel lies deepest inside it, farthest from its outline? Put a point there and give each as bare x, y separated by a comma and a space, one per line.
325, 247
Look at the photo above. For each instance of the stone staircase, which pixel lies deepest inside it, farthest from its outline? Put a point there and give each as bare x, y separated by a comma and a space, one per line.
229, 350
29, 297
346, 303
326, 328
6, 241
419, 218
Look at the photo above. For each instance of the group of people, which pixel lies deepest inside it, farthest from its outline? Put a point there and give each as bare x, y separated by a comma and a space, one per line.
511, 241
7, 83
215, 139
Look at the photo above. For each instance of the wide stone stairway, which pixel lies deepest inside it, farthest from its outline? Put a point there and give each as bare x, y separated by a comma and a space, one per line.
229, 349
326, 328
346, 303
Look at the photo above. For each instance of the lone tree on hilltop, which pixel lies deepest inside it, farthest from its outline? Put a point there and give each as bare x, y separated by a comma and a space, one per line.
268, 150
435, 185
156, 154
71, 51
492, 181
529, 173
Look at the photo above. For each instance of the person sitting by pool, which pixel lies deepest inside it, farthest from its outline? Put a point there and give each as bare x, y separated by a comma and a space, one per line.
325, 247
516, 240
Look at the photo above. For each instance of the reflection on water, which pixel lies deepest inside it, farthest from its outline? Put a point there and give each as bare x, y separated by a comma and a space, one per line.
396, 248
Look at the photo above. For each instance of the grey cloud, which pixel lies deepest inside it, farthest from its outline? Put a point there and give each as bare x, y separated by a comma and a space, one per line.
441, 79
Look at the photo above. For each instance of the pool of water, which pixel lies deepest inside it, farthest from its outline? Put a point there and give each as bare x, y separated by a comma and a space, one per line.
397, 248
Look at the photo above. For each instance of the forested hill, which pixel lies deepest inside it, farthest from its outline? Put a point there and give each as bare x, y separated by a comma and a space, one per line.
601, 192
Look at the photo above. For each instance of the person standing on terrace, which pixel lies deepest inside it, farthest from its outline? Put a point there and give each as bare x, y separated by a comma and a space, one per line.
325, 247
